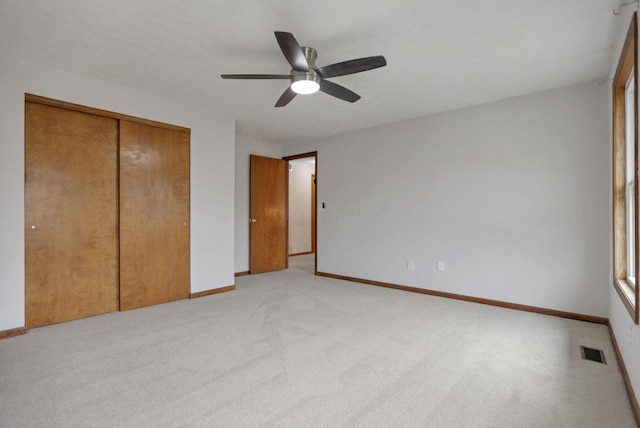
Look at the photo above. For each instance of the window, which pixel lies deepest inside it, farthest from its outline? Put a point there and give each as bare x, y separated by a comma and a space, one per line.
625, 173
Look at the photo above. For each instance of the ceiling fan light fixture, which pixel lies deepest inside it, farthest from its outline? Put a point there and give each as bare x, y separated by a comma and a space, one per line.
305, 83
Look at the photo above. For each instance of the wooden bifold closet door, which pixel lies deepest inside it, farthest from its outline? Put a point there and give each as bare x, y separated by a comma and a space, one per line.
106, 212
154, 215
71, 214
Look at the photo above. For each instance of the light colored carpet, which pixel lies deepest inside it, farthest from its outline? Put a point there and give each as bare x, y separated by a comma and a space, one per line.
288, 349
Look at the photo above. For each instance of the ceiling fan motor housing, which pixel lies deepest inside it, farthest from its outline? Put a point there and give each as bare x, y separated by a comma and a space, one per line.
311, 76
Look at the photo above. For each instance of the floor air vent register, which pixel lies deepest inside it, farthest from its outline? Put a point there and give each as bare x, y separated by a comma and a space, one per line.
592, 354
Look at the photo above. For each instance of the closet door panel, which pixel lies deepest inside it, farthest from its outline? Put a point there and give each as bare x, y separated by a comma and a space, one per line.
154, 215
71, 218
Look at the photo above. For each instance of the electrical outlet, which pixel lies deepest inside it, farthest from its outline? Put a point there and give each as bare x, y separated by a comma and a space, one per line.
440, 266
409, 264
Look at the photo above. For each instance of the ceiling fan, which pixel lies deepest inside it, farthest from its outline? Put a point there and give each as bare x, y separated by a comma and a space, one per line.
306, 78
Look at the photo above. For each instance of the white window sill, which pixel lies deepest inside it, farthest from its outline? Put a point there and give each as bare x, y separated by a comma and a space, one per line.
628, 289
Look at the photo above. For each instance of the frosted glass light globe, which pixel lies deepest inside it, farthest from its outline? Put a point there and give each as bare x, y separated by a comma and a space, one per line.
305, 87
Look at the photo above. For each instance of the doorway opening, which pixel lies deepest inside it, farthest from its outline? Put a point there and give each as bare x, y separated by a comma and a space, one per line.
302, 211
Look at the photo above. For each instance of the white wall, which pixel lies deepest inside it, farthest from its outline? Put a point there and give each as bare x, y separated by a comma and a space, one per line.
626, 332
513, 196
244, 148
300, 206
212, 154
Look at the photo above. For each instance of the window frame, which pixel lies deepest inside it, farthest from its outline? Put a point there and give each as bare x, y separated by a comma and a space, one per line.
622, 250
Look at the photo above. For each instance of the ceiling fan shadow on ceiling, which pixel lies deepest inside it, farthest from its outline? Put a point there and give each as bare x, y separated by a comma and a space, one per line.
306, 78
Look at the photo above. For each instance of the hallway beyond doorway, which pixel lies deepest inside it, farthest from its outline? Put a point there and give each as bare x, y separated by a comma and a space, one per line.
303, 262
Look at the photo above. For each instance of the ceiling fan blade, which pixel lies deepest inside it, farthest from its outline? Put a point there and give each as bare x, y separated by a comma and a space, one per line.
255, 76
292, 51
352, 66
338, 91
286, 97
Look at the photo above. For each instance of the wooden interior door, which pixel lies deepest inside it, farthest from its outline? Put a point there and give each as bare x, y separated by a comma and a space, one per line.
154, 215
268, 215
71, 236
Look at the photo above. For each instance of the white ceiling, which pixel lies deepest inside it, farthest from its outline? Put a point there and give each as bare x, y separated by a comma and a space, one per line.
441, 54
